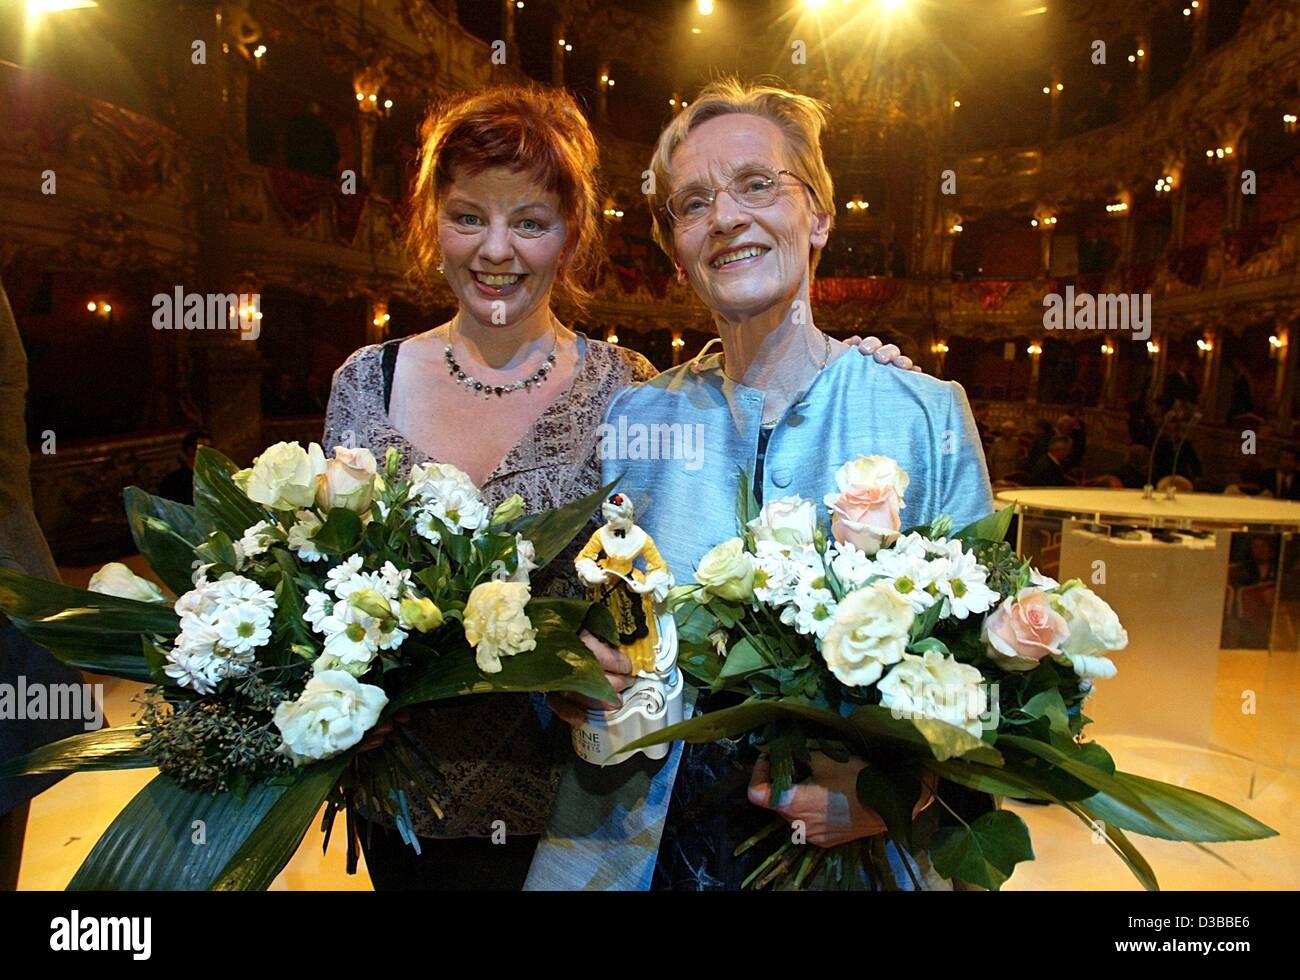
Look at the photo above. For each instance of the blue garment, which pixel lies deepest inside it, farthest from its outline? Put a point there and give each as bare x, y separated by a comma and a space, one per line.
686, 500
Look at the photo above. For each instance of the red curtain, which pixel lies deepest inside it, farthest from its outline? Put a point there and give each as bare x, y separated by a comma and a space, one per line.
870, 291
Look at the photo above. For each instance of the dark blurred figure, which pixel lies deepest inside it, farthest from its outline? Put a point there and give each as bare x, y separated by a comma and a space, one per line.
1180, 386
1006, 454
178, 485
286, 398
1043, 438
1189, 461
22, 548
310, 144
1141, 429
1132, 473
1050, 470
1281, 481
1071, 426
1242, 402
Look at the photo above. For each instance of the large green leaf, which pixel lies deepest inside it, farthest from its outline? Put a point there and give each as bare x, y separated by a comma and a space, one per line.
170, 553
938, 738
216, 498
1180, 814
106, 748
271, 846
742, 718
559, 663
985, 852
992, 527
173, 839
88, 630
1121, 845
893, 796
552, 530
1007, 780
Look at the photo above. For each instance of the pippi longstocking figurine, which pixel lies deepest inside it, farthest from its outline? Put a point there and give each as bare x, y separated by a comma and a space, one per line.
608, 566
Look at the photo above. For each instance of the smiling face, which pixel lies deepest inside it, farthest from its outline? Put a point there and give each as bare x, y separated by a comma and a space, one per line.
742, 261
502, 237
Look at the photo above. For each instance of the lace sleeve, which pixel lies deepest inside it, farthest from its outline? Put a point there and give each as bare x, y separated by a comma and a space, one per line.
641, 368
347, 412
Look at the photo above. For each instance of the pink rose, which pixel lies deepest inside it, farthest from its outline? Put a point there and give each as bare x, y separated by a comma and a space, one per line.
1024, 630
865, 516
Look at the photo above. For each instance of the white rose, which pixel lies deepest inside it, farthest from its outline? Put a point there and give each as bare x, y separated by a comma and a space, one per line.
283, 477
348, 480
938, 687
423, 475
868, 633
1094, 630
726, 571
116, 579
788, 520
331, 715
496, 623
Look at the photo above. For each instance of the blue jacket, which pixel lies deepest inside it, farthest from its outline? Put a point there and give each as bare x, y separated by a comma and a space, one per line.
676, 445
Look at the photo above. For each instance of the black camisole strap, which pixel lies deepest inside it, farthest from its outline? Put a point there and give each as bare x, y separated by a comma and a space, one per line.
388, 363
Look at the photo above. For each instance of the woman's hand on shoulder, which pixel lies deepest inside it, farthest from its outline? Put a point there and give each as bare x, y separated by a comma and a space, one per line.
883, 353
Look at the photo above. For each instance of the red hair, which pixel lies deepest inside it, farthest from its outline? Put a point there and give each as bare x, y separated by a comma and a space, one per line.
530, 129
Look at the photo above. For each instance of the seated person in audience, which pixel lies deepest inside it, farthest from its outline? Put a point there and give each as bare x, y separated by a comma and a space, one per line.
1189, 462
1043, 435
1006, 454
178, 485
1132, 473
1050, 470
1249, 484
1282, 481
1072, 426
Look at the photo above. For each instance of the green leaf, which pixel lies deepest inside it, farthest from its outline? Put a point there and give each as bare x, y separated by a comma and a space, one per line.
289, 628
742, 718
552, 530
217, 501
560, 663
741, 659
1048, 704
88, 630
1011, 781
934, 738
929, 643
1122, 846
1179, 814
272, 844
746, 503
993, 527
170, 554
151, 845
105, 749
984, 853
338, 533
893, 796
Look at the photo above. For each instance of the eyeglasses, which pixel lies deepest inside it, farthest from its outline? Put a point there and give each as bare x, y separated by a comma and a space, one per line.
758, 188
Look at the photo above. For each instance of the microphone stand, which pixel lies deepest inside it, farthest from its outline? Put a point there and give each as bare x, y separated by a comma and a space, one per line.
1187, 430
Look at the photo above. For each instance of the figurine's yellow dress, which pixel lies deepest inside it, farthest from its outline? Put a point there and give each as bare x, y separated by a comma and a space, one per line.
633, 612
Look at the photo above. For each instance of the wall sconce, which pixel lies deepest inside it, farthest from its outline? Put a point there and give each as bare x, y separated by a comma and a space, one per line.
1153, 347
857, 204
1289, 121
1119, 207
1107, 350
1033, 350
100, 308
1165, 184
678, 342
1204, 346
938, 347
611, 338
955, 229
1276, 345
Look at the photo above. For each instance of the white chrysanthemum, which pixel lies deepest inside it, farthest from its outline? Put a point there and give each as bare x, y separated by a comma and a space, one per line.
935, 686
329, 661
237, 590
302, 536
332, 714
351, 635
200, 661
459, 508
851, 565
963, 582
257, 539
394, 582
778, 570
869, 632
243, 628
909, 574
320, 605
342, 573
813, 609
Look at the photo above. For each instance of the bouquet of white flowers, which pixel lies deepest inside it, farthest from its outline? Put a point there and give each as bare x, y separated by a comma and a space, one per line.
933, 656
318, 598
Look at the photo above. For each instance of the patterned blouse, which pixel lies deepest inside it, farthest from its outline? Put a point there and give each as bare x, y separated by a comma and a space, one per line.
494, 760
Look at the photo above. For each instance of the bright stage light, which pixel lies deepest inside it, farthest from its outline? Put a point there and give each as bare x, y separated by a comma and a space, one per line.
705, 7
814, 4
37, 7
891, 6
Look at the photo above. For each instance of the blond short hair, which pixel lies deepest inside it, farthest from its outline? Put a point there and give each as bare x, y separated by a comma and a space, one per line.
800, 118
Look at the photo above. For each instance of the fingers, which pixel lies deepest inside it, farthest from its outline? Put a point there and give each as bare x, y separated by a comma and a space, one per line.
614, 661
760, 789
854, 341
869, 345
566, 710
888, 353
